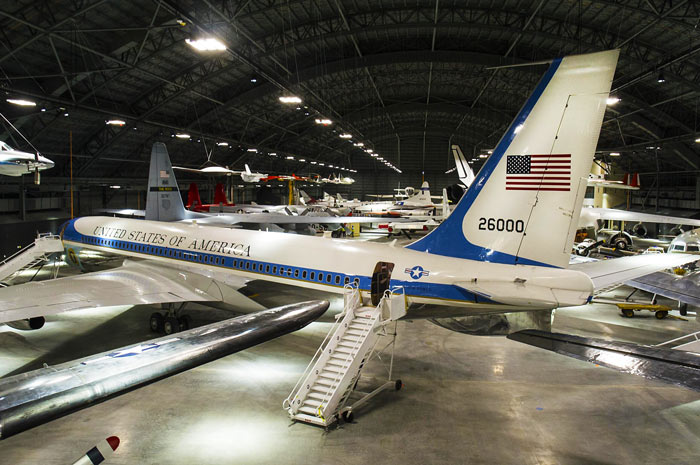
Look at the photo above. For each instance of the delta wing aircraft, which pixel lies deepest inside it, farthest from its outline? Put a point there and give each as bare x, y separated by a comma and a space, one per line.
504, 248
16, 163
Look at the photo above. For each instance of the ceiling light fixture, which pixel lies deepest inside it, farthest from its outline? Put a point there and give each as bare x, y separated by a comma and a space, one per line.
612, 100
345, 135
290, 99
206, 45
21, 102
181, 135
222, 144
323, 121
116, 122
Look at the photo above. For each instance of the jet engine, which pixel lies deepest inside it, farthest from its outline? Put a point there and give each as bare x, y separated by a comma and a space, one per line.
28, 324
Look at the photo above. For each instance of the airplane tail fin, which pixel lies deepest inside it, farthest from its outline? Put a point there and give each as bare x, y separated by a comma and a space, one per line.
163, 201
523, 207
631, 180
193, 199
220, 194
423, 194
247, 169
464, 171
305, 197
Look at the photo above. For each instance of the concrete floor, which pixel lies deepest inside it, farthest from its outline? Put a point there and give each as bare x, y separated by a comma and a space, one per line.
466, 399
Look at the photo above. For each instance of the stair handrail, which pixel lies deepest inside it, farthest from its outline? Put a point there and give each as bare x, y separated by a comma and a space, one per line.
16, 254
694, 336
347, 361
288, 402
29, 246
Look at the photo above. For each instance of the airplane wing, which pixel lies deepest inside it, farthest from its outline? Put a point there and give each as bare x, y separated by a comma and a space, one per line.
589, 215
274, 218
685, 289
673, 366
134, 283
608, 273
207, 170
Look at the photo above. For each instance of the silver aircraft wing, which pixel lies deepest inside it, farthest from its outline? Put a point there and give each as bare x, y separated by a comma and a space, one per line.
133, 283
276, 218
590, 214
608, 273
685, 289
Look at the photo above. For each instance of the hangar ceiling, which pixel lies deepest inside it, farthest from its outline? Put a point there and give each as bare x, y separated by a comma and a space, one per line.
406, 78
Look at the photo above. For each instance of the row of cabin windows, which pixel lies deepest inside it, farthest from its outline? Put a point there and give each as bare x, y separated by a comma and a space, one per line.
241, 264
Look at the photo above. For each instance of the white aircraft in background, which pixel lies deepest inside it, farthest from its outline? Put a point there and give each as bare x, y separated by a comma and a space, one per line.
247, 175
16, 163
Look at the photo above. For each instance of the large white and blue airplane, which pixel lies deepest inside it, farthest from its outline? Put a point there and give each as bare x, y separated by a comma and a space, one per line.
505, 247
16, 163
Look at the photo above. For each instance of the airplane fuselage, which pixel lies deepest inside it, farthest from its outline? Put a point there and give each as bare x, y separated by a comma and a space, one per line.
14, 163
330, 264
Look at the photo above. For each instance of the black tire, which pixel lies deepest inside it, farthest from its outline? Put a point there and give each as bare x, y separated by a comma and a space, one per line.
621, 244
683, 309
156, 322
348, 416
398, 385
628, 313
185, 322
171, 325
661, 315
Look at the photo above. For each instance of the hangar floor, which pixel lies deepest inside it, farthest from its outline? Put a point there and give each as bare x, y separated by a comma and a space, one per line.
466, 399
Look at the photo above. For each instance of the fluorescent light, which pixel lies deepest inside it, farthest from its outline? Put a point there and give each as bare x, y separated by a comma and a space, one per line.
115, 187
697, 140
181, 135
290, 157
345, 135
313, 162
222, 144
375, 155
206, 45
483, 155
116, 122
290, 99
323, 121
273, 154
302, 159
612, 100
321, 164
369, 150
614, 154
21, 102
65, 114
358, 144
252, 150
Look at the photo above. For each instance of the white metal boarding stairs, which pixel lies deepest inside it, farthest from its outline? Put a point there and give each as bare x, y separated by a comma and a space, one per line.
30, 256
321, 395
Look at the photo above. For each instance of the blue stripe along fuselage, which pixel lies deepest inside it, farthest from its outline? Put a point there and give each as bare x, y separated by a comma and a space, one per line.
293, 273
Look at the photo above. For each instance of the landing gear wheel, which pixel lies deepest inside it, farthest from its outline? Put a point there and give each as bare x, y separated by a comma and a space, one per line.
156, 322
683, 309
171, 325
398, 385
627, 312
621, 244
661, 315
185, 322
347, 416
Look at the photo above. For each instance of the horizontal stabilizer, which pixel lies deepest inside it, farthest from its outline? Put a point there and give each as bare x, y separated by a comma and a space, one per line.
672, 366
606, 273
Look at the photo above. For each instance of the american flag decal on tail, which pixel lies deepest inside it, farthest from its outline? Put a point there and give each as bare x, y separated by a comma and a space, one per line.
538, 172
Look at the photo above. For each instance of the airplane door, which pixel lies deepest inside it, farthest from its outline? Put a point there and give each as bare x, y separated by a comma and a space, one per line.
381, 277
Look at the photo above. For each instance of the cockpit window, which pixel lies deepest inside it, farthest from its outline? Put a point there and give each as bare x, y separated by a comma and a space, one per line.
679, 247
692, 248
4, 147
